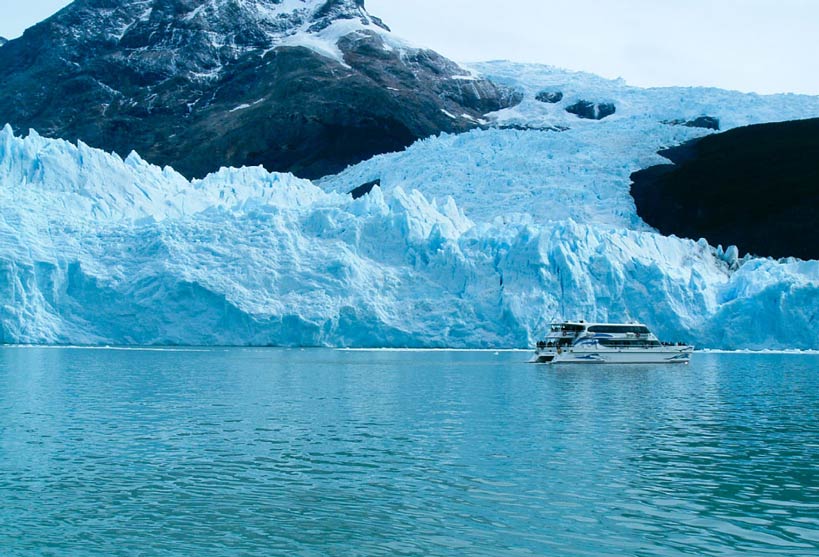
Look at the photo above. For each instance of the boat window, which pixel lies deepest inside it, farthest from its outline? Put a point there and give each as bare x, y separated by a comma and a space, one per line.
621, 329
627, 343
567, 328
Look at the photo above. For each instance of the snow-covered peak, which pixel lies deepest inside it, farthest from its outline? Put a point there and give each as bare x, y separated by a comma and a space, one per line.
199, 37
276, 18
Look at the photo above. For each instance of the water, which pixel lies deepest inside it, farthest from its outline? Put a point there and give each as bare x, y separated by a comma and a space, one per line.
320, 452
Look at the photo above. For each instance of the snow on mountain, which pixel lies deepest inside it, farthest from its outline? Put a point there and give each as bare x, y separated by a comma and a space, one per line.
96, 249
235, 28
200, 38
541, 159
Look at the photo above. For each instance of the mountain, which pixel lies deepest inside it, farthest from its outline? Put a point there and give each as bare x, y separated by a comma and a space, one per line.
307, 86
3, 41
756, 187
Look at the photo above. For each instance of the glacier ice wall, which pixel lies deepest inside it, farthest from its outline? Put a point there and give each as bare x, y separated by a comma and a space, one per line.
99, 250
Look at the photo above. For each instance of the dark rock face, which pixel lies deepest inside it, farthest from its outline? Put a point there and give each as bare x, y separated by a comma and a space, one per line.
755, 187
200, 85
550, 97
591, 111
364, 189
3, 40
705, 122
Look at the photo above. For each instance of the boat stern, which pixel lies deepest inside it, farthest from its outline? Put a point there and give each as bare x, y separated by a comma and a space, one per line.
542, 358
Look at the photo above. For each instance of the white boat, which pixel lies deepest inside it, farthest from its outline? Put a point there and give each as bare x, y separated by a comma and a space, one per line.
577, 342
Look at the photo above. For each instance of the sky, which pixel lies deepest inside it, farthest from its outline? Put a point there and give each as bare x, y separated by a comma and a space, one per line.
18, 15
766, 46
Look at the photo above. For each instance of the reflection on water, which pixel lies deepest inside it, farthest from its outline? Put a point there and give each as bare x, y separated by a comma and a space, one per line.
320, 452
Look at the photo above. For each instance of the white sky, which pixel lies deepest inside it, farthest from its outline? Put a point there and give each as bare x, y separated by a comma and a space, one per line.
765, 46
18, 15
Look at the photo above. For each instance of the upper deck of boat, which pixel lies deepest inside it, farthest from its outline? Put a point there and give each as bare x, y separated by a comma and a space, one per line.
576, 327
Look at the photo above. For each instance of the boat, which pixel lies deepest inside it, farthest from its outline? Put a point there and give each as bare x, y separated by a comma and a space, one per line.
578, 342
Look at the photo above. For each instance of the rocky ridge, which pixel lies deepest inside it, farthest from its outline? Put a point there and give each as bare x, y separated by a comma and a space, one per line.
756, 187
308, 86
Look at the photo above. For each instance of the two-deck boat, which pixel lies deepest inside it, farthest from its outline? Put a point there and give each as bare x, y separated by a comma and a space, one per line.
578, 342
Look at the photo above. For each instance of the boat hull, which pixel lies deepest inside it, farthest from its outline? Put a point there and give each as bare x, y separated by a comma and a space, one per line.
665, 355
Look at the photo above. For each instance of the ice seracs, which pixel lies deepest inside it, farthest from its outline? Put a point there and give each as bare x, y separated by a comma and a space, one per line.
95, 249
607, 343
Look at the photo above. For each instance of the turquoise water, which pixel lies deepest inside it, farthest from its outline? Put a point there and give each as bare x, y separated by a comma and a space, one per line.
321, 452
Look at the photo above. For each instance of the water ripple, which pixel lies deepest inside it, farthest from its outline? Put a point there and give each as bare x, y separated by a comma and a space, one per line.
272, 452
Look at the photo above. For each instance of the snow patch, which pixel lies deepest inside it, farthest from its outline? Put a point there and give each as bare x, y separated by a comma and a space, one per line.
245, 105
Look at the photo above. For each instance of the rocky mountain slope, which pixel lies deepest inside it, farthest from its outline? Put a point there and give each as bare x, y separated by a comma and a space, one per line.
307, 86
755, 187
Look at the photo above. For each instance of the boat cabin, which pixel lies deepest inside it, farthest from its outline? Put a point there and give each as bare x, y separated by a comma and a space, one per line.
613, 335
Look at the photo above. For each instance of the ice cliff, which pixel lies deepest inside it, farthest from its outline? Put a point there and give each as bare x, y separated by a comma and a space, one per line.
95, 249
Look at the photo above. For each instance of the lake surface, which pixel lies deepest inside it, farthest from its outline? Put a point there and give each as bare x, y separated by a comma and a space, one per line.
322, 452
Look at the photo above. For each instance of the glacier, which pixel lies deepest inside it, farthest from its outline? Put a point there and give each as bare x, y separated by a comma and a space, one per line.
95, 249
538, 159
